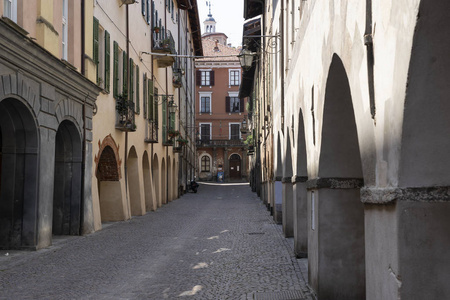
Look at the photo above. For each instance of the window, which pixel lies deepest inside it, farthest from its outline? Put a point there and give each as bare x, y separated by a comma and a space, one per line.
206, 164
102, 55
10, 9
107, 78
234, 77
205, 132
205, 78
132, 94
234, 104
235, 131
96, 46
65, 28
116, 70
205, 104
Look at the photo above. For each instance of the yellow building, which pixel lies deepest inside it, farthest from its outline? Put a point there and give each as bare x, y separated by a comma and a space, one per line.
143, 126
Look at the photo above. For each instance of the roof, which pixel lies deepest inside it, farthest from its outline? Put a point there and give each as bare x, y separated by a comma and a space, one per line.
195, 27
230, 53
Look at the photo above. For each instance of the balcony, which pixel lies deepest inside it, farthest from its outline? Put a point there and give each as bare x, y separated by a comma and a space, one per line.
220, 143
163, 43
125, 114
151, 132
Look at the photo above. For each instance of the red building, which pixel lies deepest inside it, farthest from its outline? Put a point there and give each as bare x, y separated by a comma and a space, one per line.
219, 112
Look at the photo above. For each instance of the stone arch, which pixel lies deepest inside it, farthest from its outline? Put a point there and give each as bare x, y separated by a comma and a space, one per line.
175, 179
67, 107
67, 180
279, 162
108, 141
163, 182
422, 200
157, 180
134, 187
336, 246
19, 159
300, 193
148, 184
287, 164
109, 187
287, 191
169, 180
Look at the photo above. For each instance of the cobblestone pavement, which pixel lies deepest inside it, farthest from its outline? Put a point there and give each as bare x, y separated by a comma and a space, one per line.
220, 243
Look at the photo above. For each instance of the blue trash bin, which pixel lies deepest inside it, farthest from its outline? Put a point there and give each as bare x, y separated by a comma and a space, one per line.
219, 176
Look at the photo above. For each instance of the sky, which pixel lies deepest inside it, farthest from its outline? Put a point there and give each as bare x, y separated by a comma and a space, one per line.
228, 15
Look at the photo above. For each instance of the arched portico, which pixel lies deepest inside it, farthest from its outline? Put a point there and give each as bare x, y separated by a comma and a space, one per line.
134, 188
157, 180
150, 204
336, 232
163, 182
67, 208
278, 186
288, 202
300, 194
19, 189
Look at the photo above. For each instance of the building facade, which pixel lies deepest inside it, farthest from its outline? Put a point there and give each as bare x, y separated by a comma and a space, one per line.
46, 108
221, 151
353, 98
144, 141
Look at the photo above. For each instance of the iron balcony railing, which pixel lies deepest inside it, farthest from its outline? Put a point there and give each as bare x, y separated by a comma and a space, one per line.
151, 132
220, 143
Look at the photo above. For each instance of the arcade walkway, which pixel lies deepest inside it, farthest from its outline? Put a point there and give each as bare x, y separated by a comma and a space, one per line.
220, 243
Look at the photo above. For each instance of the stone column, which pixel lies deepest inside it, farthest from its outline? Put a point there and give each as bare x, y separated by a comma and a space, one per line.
336, 254
287, 207
278, 200
407, 233
300, 216
225, 164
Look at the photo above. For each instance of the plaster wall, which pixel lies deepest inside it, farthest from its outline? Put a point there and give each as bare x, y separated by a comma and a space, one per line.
288, 209
300, 215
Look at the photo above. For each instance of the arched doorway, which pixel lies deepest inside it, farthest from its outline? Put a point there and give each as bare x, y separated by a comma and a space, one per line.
134, 188
163, 182
148, 187
110, 191
67, 182
235, 167
169, 180
156, 180
336, 247
19, 190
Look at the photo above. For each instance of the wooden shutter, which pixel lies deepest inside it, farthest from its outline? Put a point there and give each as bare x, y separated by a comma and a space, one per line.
241, 104
132, 84
107, 61
116, 70
147, 11
211, 77
96, 48
234, 131
198, 77
227, 104
155, 107
138, 103
144, 95
151, 102
125, 74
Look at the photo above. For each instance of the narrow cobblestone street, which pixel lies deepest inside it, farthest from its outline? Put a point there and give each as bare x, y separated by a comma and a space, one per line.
220, 243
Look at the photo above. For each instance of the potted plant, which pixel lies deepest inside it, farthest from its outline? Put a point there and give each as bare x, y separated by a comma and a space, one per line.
172, 133
156, 29
122, 106
181, 141
165, 43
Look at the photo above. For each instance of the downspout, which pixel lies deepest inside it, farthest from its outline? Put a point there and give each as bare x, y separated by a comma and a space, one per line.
83, 149
83, 36
167, 113
128, 96
368, 41
282, 64
83, 166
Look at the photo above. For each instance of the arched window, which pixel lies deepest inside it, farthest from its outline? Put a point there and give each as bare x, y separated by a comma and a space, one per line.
206, 164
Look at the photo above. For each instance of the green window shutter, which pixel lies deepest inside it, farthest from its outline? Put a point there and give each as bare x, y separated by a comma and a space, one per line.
151, 101
96, 48
144, 95
164, 118
116, 70
138, 104
132, 84
107, 61
155, 107
125, 74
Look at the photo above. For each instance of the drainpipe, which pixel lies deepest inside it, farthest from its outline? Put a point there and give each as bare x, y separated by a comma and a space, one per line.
167, 115
128, 95
83, 36
368, 41
83, 166
282, 64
